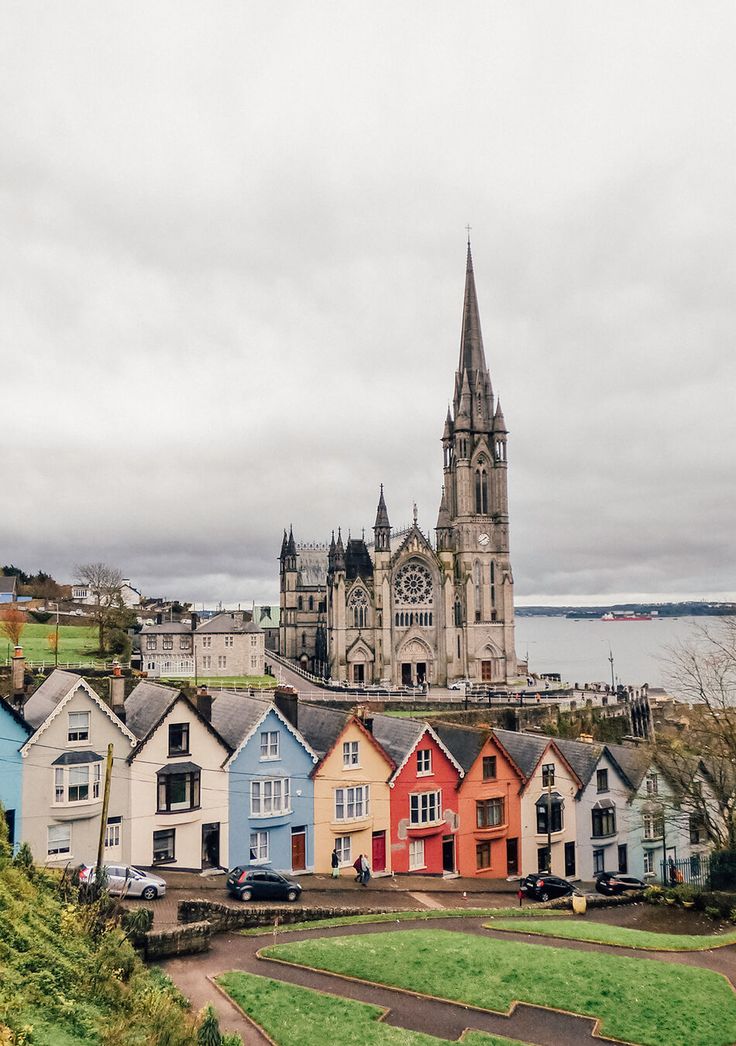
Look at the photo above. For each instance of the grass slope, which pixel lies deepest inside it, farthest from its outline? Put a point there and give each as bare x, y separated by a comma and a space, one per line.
412, 915
295, 1016
76, 643
639, 1000
619, 936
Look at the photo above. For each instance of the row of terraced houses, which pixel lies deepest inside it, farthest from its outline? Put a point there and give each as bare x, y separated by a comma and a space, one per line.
232, 779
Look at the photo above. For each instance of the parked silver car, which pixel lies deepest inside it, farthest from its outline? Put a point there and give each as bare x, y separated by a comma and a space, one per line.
124, 879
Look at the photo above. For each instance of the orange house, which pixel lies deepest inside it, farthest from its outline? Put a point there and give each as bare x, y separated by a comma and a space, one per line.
489, 804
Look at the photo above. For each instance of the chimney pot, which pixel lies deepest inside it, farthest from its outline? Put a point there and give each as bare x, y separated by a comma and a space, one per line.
204, 703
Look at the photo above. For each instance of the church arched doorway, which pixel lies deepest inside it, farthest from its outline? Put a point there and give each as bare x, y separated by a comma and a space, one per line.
416, 663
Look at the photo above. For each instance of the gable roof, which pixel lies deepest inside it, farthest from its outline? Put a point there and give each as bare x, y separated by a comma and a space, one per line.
8, 582
53, 695
527, 749
399, 737
234, 715
465, 742
14, 714
353, 720
227, 622
153, 702
321, 727
582, 756
632, 760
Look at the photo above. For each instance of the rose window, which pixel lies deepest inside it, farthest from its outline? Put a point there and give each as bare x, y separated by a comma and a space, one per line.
413, 585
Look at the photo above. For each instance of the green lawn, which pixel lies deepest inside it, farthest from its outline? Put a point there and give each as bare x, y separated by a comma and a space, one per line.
420, 915
295, 1016
643, 1001
257, 682
619, 936
76, 643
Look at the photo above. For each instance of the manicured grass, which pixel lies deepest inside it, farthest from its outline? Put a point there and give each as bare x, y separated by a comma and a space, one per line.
76, 643
295, 1016
644, 1001
412, 915
619, 936
257, 682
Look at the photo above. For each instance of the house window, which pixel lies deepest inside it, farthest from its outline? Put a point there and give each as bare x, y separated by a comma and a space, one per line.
253, 640
604, 822
342, 846
179, 739
351, 803
150, 642
229, 640
113, 832
206, 640
78, 731
489, 768
206, 661
270, 744
599, 861
652, 784
72, 784
555, 806
425, 808
601, 780
270, 798
623, 858
649, 862
184, 642
164, 845
178, 791
59, 840
259, 846
168, 643
416, 854
351, 753
483, 856
697, 829
424, 761
221, 661
653, 826
254, 664
548, 775
489, 813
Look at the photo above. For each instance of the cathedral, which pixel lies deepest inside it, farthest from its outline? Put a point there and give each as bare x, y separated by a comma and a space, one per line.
400, 609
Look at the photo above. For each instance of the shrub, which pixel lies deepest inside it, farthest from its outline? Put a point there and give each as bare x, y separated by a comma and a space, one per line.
685, 892
723, 870
208, 1033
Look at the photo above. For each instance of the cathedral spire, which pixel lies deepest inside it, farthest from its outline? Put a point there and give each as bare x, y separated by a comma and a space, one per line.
382, 527
472, 364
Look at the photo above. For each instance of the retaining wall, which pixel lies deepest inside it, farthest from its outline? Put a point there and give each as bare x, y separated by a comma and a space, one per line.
224, 917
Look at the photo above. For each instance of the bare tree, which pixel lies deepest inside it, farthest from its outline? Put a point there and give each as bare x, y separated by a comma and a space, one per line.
105, 587
12, 623
702, 672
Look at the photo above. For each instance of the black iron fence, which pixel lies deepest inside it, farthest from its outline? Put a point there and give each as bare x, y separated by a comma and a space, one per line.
694, 870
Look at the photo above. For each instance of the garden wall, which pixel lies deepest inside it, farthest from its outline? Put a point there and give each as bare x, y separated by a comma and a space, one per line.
181, 940
224, 917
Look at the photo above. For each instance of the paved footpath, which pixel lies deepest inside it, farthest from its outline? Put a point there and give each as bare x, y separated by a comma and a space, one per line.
528, 1024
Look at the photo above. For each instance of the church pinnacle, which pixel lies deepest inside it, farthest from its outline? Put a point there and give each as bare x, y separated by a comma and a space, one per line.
472, 367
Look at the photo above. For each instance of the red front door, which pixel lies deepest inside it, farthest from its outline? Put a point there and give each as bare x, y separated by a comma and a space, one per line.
379, 852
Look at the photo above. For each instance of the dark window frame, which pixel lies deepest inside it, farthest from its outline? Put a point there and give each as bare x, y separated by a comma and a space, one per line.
490, 770
166, 783
183, 748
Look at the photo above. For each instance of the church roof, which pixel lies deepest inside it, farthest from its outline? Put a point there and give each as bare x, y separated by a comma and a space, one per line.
472, 357
381, 513
358, 562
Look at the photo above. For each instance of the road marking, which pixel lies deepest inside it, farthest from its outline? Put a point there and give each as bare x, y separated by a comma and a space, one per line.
426, 900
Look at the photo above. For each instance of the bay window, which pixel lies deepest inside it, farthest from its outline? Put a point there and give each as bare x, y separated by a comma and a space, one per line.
178, 787
352, 803
425, 808
270, 798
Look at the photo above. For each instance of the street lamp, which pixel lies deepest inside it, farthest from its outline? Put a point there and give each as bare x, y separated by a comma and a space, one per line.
56, 640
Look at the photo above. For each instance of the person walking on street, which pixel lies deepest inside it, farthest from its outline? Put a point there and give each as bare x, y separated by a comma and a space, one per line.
365, 870
358, 866
335, 861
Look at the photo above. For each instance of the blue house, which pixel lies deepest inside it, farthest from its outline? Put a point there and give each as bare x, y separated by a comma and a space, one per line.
271, 793
14, 732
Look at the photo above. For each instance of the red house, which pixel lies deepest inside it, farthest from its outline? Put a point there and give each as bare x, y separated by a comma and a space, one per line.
424, 796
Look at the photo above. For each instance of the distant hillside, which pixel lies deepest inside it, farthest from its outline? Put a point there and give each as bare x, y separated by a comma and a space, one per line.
687, 609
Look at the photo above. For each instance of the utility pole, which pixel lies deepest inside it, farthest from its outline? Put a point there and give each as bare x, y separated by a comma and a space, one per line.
549, 822
613, 680
105, 804
56, 642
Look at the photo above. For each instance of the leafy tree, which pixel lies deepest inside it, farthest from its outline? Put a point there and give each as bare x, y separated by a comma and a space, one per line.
12, 623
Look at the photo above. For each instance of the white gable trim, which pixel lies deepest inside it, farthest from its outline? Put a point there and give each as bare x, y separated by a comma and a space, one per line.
80, 684
427, 730
289, 726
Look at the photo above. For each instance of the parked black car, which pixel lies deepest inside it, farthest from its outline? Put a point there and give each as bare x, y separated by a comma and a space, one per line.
544, 886
261, 884
611, 882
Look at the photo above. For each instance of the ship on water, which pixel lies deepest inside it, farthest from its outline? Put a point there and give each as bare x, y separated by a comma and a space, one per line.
627, 615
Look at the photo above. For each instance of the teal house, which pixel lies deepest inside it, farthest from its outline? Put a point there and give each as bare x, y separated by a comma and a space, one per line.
14, 732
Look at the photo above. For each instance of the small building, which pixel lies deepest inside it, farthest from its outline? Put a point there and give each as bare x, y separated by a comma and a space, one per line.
14, 732
228, 644
604, 813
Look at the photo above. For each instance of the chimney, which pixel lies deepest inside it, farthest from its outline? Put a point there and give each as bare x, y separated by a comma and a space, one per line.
204, 703
18, 673
159, 619
368, 724
195, 621
117, 691
286, 700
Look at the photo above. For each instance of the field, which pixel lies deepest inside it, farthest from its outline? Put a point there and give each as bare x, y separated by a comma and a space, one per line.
641, 1001
76, 643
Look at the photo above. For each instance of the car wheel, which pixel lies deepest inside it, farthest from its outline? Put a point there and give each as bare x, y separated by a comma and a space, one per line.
149, 893
292, 895
544, 896
245, 895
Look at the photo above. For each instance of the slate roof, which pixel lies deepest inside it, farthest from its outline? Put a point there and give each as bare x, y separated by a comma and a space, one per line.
43, 701
321, 727
524, 749
147, 705
234, 715
465, 742
167, 627
397, 735
7, 584
358, 562
228, 621
581, 755
633, 760
16, 715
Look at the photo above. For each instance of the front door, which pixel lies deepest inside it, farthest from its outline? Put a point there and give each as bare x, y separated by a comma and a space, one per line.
406, 679
10, 822
359, 673
421, 672
486, 671
211, 845
512, 857
378, 852
569, 858
448, 853
298, 849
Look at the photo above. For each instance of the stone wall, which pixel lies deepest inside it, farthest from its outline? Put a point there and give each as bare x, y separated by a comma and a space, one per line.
181, 940
224, 917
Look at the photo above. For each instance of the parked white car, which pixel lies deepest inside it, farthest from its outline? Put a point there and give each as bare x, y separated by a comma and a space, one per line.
122, 879
460, 684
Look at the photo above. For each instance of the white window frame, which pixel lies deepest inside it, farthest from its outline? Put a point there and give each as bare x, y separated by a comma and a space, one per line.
422, 805
270, 797
77, 776
350, 755
649, 862
206, 661
84, 740
259, 844
229, 640
416, 854
343, 847
113, 834
652, 780
424, 762
151, 642
352, 803
270, 745
206, 640
54, 850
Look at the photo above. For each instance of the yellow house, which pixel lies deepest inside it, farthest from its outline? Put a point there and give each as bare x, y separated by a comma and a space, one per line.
351, 801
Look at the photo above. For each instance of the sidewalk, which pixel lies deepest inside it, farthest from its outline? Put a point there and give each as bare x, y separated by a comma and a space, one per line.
196, 883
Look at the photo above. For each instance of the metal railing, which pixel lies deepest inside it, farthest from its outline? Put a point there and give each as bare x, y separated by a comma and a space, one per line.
694, 870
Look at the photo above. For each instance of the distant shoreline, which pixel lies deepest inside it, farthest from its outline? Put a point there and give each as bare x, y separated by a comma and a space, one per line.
657, 610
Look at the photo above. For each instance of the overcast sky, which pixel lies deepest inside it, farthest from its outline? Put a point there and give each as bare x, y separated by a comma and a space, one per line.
231, 272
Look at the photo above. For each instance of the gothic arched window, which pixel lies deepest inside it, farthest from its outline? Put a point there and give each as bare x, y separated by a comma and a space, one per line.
478, 583
311, 602
358, 608
481, 491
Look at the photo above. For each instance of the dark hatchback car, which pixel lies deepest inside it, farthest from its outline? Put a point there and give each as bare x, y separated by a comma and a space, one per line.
545, 887
612, 883
261, 884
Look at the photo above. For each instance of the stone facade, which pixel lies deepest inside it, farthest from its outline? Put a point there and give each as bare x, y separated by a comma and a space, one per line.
402, 610
228, 644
